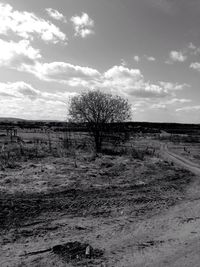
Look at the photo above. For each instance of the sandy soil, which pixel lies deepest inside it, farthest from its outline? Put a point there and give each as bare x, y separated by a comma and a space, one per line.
139, 213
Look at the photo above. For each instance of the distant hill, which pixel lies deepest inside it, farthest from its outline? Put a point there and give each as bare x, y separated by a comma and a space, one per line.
9, 119
137, 127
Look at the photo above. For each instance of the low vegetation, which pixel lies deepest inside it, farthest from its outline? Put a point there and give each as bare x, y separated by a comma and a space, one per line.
59, 198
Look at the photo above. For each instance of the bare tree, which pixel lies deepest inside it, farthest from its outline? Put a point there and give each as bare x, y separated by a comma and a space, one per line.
97, 108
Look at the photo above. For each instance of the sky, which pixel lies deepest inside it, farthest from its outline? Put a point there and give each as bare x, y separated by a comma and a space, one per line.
147, 51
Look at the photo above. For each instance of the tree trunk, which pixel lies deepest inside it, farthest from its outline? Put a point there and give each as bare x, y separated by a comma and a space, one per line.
98, 142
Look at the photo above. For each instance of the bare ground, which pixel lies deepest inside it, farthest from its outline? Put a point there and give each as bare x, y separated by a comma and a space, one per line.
139, 213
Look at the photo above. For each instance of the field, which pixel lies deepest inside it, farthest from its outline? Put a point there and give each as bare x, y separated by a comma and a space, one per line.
66, 206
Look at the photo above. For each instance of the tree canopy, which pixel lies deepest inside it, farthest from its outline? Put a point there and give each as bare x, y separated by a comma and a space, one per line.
98, 108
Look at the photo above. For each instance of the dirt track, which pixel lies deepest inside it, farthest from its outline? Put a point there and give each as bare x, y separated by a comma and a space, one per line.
177, 159
173, 236
177, 231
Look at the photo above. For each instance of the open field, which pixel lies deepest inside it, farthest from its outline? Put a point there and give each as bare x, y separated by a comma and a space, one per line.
50, 202
135, 207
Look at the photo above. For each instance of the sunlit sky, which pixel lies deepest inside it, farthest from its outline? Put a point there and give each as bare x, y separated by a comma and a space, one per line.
147, 51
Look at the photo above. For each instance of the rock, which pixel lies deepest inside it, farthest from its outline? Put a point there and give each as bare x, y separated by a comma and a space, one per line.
88, 251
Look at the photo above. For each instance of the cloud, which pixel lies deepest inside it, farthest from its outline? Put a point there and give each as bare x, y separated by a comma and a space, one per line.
118, 79
19, 98
120, 72
193, 49
177, 56
131, 83
23, 57
188, 108
18, 90
191, 46
173, 101
123, 62
27, 25
24, 90
55, 14
15, 53
136, 58
158, 106
83, 25
23, 98
182, 55
178, 101
62, 72
173, 86
195, 66
149, 58
39, 109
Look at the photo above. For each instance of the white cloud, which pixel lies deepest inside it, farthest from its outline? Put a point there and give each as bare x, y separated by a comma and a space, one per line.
62, 72
27, 25
55, 14
136, 58
173, 86
191, 46
83, 25
123, 62
158, 106
194, 50
195, 66
22, 99
178, 101
127, 82
177, 56
39, 109
22, 89
18, 90
120, 72
130, 82
118, 79
14, 53
182, 55
169, 102
188, 108
150, 58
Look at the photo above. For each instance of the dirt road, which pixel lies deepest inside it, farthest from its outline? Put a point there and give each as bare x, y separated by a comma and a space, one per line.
175, 234
177, 159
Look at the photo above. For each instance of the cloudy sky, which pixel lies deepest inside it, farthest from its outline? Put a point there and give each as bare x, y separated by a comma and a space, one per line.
145, 50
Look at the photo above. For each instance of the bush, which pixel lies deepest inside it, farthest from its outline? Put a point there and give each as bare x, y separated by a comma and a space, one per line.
137, 154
